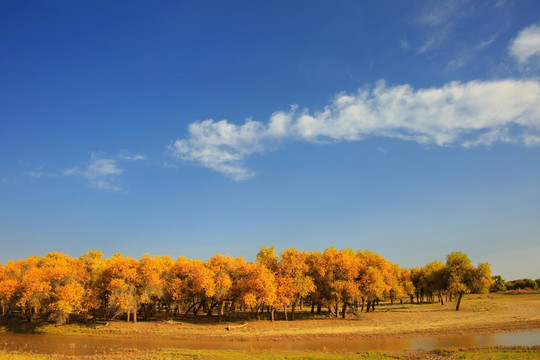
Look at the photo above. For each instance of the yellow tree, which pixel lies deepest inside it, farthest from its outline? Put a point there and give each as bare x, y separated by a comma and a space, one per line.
10, 288
222, 268
34, 286
291, 271
95, 294
192, 282
463, 277
255, 286
340, 268
151, 272
293, 266
318, 272
121, 278
406, 283
376, 278
65, 277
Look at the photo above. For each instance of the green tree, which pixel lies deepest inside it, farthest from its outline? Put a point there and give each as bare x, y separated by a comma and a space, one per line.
498, 284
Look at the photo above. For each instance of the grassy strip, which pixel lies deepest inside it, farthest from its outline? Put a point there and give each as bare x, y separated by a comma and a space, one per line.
510, 353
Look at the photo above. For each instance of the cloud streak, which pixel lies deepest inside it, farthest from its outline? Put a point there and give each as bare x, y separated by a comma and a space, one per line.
467, 114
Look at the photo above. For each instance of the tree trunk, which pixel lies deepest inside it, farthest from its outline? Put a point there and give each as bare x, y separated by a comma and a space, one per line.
197, 308
128, 315
344, 310
220, 311
459, 301
272, 311
292, 309
319, 308
368, 305
285, 311
147, 312
30, 313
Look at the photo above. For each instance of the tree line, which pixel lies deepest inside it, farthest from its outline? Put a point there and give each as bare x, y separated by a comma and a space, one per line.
499, 284
341, 282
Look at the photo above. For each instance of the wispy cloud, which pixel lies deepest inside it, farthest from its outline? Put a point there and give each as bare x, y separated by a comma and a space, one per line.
467, 114
440, 17
101, 173
470, 52
40, 173
526, 45
129, 157
404, 44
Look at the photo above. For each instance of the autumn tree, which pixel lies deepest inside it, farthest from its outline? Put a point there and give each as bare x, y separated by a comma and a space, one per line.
291, 272
318, 272
192, 283
375, 277
34, 287
463, 277
222, 268
122, 279
151, 272
10, 287
93, 281
255, 286
65, 276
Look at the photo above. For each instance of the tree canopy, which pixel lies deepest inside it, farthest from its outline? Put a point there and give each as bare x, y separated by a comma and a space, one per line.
344, 281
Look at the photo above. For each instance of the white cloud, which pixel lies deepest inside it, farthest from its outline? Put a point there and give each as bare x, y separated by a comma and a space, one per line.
531, 140
129, 157
466, 114
101, 173
526, 44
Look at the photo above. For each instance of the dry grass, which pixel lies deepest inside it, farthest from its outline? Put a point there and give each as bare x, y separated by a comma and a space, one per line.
478, 314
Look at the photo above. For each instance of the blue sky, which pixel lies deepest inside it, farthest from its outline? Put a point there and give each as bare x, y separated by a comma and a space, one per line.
192, 128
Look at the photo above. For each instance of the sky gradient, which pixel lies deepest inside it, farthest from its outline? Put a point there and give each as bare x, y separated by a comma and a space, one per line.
193, 128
